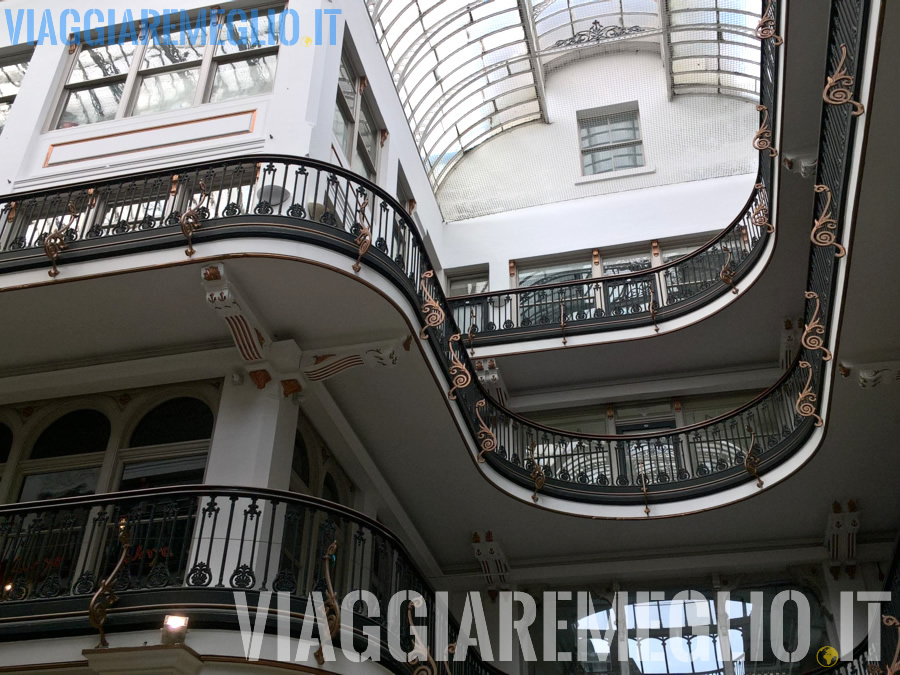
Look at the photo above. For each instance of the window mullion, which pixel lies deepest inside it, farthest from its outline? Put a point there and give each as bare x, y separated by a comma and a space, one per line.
205, 76
136, 60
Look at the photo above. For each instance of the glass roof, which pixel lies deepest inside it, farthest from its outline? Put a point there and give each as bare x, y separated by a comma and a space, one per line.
468, 70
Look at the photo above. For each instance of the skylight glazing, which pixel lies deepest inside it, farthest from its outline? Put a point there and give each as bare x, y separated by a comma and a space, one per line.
713, 48
463, 70
468, 70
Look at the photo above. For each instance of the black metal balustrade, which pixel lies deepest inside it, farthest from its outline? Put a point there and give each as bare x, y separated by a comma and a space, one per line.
621, 300
205, 542
647, 296
309, 200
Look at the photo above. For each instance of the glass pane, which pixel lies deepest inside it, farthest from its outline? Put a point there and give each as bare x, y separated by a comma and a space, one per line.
239, 35
368, 132
163, 473
158, 54
341, 126
71, 483
468, 285
102, 61
12, 71
249, 77
166, 91
87, 106
625, 264
347, 84
361, 165
4, 113
555, 273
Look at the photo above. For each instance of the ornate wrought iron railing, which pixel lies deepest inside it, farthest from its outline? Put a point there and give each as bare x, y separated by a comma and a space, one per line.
304, 199
195, 545
648, 296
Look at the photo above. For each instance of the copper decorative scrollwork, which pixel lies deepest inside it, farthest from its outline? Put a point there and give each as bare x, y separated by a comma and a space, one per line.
486, 437
55, 241
332, 606
806, 401
824, 230
537, 473
760, 215
645, 493
431, 310
892, 622
106, 596
728, 272
765, 29
562, 320
364, 237
458, 371
472, 330
762, 139
813, 333
190, 219
751, 460
420, 655
838, 87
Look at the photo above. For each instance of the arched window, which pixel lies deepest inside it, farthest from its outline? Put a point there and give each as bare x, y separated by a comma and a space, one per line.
75, 433
300, 461
176, 421
330, 490
5, 443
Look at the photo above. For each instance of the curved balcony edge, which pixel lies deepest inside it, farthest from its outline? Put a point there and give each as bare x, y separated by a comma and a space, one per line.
191, 549
313, 201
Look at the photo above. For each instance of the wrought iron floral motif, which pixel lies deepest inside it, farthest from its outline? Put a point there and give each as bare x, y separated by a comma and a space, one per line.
762, 139
765, 29
752, 460
332, 606
190, 219
813, 334
420, 655
806, 401
838, 87
105, 596
242, 577
431, 310
486, 437
728, 272
598, 33
760, 214
458, 371
652, 306
285, 582
200, 575
824, 232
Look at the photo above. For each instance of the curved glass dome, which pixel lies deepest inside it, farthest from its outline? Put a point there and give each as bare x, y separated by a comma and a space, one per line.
467, 71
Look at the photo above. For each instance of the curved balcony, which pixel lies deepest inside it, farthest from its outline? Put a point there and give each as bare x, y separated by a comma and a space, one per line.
308, 200
625, 300
190, 548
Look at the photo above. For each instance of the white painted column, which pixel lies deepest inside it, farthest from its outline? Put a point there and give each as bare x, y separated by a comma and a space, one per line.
253, 442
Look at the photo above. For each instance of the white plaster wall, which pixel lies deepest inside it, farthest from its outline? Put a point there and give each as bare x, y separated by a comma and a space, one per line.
594, 222
687, 139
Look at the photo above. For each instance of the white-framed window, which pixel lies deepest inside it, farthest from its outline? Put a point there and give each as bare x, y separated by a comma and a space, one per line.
468, 284
160, 73
12, 72
610, 139
356, 126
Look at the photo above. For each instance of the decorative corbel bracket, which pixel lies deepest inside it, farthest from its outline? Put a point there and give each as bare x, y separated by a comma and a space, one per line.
322, 364
249, 335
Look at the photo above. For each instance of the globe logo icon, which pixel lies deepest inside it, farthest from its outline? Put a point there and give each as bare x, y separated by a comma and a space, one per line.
827, 656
